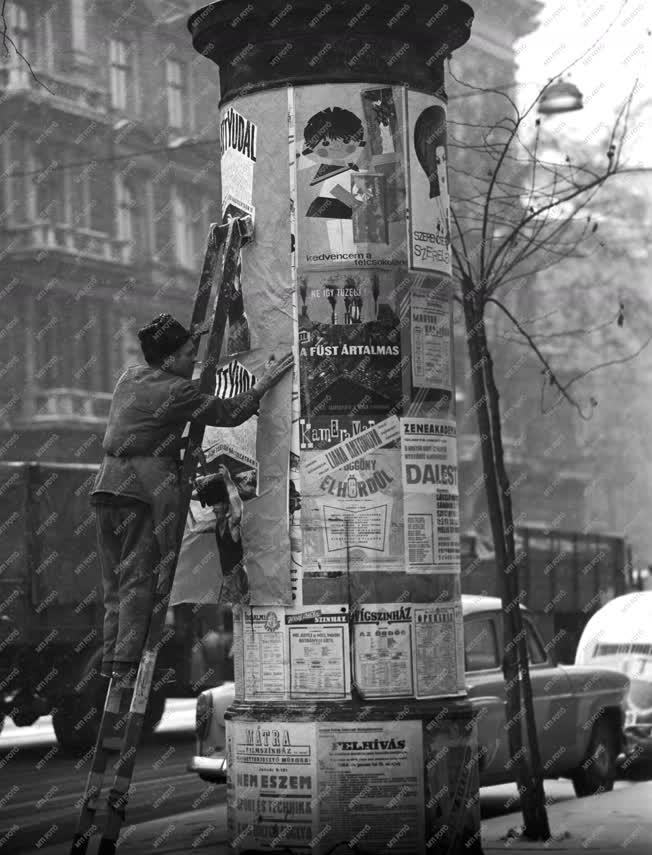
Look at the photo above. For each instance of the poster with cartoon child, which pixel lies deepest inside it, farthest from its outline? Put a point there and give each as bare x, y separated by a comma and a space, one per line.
350, 177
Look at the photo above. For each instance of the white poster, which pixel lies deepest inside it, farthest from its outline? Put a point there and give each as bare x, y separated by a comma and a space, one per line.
265, 652
371, 778
431, 338
382, 650
273, 778
238, 142
428, 200
439, 650
237, 654
431, 495
319, 653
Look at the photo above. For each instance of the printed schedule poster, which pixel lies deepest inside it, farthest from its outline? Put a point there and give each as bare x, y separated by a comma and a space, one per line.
273, 774
263, 634
371, 785
431, 495
350, 176
382, 650
439, 650
428, 226
430, 330
319, 653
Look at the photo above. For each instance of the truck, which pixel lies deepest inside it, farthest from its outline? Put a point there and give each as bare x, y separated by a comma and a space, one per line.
565, 577
51, 611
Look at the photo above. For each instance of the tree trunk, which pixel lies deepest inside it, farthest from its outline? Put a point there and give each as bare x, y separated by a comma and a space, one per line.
518, 690
533, 799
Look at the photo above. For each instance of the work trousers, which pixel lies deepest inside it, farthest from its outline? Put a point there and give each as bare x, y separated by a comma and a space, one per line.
129, 557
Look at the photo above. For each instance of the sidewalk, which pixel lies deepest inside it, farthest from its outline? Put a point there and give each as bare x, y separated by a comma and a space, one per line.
617, 822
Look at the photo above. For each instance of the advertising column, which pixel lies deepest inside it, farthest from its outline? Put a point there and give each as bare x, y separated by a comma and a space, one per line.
350, 724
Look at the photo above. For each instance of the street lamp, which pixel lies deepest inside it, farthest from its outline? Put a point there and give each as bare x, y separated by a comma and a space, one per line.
560, 97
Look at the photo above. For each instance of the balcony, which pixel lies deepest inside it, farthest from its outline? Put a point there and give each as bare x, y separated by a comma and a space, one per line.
46, 236
69, 406
63, 88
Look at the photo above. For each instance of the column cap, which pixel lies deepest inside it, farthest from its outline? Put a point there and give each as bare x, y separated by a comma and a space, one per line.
262, 45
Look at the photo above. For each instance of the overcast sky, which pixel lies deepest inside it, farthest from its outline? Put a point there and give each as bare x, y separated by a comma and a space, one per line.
612, 41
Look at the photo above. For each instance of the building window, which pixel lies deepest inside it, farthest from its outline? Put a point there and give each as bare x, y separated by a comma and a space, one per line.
121, 81
163, 237
130, 352
52, 200
18, 27
131, 222
126, 205
19, 187
188, 217
48, 356
78, 199
46, 42
73, 196
175, 78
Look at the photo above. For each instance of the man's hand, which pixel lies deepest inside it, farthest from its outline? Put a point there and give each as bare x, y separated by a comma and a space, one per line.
274, 370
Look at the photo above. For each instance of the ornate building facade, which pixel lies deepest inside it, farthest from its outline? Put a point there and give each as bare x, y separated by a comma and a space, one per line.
109, 180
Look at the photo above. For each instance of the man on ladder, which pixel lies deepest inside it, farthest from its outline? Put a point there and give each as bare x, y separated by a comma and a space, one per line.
137, 491
142, 495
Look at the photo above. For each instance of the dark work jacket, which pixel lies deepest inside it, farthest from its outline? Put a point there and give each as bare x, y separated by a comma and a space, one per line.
149, 411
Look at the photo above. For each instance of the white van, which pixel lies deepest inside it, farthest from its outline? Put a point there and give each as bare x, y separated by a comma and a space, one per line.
619, 637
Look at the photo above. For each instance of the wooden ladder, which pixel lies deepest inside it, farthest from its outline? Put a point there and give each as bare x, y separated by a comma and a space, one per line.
128, 697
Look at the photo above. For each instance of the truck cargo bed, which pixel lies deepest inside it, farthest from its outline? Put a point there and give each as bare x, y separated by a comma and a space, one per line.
50, 579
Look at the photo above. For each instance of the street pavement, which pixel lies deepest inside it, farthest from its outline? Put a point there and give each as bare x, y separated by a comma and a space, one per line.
41, 785
616, 822
174, 813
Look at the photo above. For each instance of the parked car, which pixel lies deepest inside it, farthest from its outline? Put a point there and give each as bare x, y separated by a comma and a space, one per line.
579, 710
619, 637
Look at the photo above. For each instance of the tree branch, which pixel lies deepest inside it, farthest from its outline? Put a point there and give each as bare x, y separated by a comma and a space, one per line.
616, 361
550, 374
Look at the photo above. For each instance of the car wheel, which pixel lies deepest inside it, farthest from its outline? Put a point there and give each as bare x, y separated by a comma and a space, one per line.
76, 718
598, 770
154, 713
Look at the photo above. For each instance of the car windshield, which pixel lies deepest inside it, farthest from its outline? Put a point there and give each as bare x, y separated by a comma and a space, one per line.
480, 648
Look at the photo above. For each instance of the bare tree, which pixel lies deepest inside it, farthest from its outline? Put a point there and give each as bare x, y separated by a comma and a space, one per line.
516, 214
